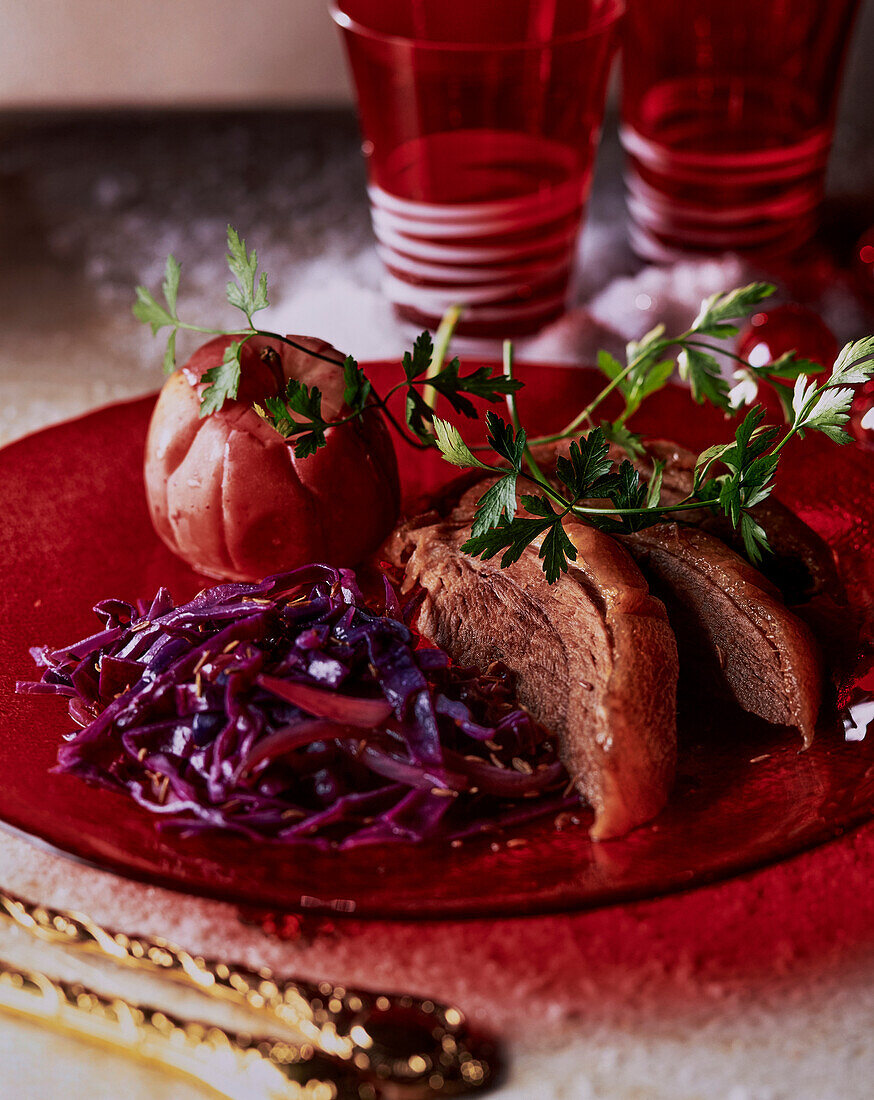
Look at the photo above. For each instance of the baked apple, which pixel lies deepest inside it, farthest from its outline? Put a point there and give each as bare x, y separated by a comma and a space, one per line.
226, 492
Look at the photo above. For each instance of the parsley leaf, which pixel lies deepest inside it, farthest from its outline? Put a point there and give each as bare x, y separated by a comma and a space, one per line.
514, 536
446, 382
244, 294
751, 440
151, 312
615, 432
416, 363
504, 441
170, 285
511, 536
784, 396
655, 377
556, 552
169, 362
719, 310
453, 448
538, 506
823, 409
745, 390
483, 383
223, 380
646, 374
750, 480
488, 384
586, 465
557, 549
275, 411
307, 403
419, 414
854, 364
654, 489
826, 408
755, 539
309, 425
357, 387
498, 500
748, 378
650, 344
610, 366
789, 366
701, 370
628, 490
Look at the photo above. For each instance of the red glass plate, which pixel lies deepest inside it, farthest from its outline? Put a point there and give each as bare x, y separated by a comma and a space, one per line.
75, 528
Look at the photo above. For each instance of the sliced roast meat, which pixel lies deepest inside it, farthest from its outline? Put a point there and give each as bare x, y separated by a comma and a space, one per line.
801, 564
732, 627
594, 654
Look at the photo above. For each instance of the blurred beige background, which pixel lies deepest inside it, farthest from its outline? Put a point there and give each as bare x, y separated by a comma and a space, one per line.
219, 53
84, 53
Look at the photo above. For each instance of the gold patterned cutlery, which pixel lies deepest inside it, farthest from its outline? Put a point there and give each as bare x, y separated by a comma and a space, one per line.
360, 1045
236, 1066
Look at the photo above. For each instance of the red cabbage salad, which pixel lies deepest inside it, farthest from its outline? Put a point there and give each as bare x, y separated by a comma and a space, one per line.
289, 710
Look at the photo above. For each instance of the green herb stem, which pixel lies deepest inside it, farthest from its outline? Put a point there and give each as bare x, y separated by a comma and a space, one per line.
442, 340
569, 429
405, 436
716, 350
513, 410
682, 506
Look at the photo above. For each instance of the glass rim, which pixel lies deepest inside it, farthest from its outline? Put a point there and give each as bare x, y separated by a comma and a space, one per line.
614, 11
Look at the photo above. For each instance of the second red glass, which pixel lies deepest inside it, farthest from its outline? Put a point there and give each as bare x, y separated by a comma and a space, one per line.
728, 113
480, 124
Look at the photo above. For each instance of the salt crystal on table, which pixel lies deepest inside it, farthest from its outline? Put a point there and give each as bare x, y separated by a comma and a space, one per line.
630, 306
671, 295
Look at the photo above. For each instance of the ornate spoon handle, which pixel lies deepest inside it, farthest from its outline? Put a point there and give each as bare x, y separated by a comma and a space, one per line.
388, 1037
236, 1066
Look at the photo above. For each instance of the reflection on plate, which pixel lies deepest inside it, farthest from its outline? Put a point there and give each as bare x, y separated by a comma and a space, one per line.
75, 529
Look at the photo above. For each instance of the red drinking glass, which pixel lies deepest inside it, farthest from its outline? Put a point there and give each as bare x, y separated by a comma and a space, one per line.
480, 123
728, 114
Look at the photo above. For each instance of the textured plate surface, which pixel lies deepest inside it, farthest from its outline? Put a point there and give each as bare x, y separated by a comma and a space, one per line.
75, 529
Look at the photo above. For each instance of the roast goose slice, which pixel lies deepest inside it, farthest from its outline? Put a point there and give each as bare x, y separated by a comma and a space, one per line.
732, 627
801, 563
594, 655
735, 634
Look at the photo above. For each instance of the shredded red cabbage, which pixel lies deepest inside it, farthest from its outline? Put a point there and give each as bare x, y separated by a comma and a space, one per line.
289, 710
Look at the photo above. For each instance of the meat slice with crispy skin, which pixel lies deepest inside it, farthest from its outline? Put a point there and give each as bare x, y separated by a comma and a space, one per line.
594, 655
732, 627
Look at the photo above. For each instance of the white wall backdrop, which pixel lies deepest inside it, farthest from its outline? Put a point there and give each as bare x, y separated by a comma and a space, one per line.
166, 52
85, 53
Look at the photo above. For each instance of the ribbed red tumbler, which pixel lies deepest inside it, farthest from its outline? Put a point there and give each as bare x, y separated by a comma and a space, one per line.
480, 123
728, 113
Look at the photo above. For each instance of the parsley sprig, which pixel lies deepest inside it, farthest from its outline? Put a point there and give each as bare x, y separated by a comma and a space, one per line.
650, 363
588, 485
585, 484
296, 411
